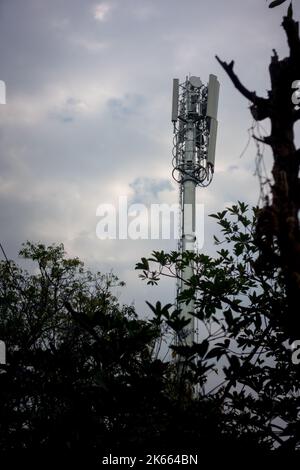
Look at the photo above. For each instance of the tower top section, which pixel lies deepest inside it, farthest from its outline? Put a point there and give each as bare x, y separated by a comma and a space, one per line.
194, 116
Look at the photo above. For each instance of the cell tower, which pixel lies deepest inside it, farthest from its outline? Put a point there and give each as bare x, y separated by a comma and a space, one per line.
194, 116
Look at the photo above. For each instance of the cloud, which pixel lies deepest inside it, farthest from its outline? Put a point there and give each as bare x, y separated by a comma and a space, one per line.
69, 110
129, 104
90, 45
147, 190
101, 11
145, 11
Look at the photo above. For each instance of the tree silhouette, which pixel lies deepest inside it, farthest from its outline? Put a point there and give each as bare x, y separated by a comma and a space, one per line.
276, 3
278, 229
85, 376
243, 363
79, 366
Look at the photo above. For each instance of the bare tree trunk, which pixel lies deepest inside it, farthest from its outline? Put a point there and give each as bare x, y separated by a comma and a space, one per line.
278, 231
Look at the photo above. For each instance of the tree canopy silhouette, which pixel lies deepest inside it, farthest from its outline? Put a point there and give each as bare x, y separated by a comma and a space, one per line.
243, 363
86, 376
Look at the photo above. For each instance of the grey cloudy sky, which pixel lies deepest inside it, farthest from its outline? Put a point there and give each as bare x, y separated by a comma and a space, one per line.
88, 114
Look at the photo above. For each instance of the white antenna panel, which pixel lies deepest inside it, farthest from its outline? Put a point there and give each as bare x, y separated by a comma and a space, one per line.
211, 151
175, 99
213, 97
